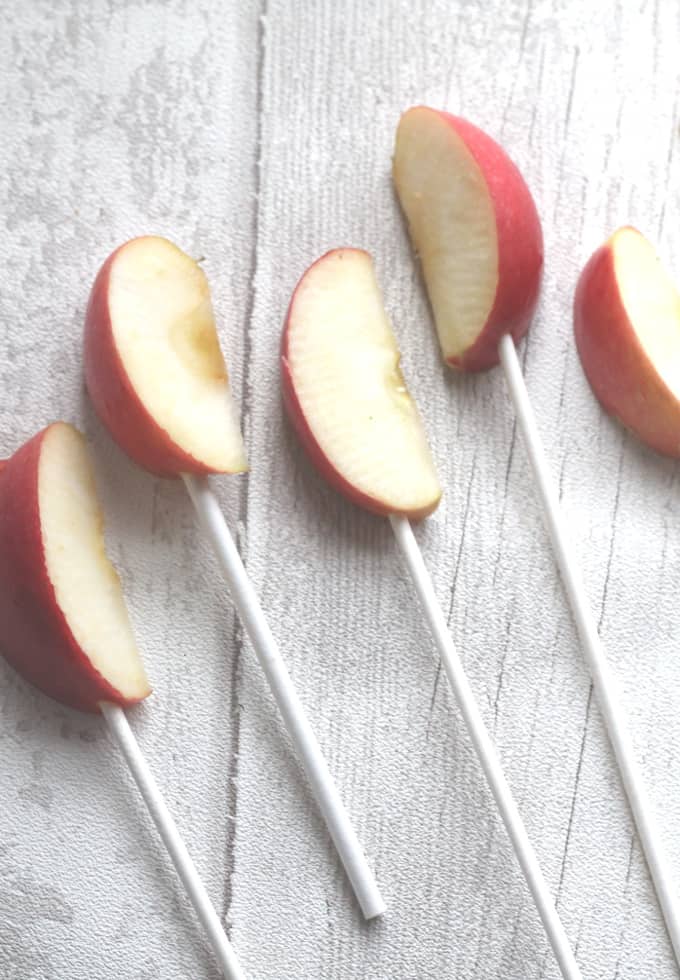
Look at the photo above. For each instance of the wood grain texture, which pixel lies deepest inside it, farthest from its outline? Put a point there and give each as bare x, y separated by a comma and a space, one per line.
260, 135
118, 120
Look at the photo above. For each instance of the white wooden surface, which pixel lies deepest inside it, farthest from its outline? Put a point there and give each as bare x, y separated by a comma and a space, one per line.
258, 136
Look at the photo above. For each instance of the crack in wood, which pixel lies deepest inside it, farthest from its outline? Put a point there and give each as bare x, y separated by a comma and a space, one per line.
617, 500
244, 483
626, 897
574, 796
577, 778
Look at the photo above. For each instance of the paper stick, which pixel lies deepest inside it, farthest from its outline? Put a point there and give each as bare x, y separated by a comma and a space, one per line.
604, 681
484, 747
124, 736
293, 713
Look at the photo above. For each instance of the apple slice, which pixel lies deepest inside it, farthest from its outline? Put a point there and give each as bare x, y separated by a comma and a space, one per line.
627, 328
345, 393
474, 225
153, 364
64, 623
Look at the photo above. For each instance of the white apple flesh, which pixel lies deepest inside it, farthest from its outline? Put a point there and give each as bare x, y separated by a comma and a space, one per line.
153, 363
475, 229
63, 618
345, 393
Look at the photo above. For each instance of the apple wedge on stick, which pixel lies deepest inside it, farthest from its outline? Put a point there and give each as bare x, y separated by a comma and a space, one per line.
345, 393
65, 626
476, 230
482, 278
153, 362
627, 328
350, 405
156, 375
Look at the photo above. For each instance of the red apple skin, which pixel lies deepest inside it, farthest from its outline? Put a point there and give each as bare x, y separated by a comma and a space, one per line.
520, 247
614, 361
291, 403
36, 639
116, 401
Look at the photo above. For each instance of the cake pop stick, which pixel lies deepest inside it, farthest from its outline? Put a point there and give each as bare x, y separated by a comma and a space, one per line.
65, 625
156, 375
292, 711
347, 399
627, 328
604, 680
476, 230
120, 729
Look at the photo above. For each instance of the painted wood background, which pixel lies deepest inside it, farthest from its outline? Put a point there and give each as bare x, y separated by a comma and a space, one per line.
258, 135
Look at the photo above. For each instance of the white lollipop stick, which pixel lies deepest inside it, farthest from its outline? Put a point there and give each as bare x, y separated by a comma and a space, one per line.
120, 729
290, 706
604, 681
485, 749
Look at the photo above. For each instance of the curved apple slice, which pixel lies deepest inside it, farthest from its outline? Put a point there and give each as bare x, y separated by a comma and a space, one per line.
474, 225
64, 623
345, 393
627, 329
153, 364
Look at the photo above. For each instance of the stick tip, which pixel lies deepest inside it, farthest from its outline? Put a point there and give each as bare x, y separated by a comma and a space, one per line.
374, 909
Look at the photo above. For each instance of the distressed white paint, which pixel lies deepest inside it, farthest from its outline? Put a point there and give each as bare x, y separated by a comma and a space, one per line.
258, 138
